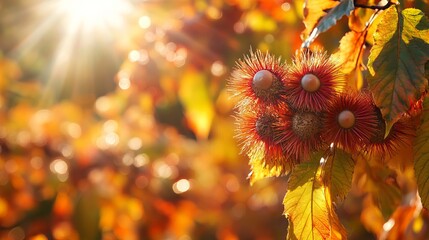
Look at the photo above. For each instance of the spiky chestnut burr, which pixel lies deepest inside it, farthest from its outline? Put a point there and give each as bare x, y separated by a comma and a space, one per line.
256, 134
313, 81
351, 121
400, 135
257, 80
299, 133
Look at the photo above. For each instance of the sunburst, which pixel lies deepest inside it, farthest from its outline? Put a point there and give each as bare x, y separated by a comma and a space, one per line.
81, 38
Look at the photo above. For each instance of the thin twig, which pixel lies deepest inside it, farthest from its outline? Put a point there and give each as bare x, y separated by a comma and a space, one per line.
376, 7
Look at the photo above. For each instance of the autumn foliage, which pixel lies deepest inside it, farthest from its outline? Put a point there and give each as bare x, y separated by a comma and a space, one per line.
226, 119
331, 122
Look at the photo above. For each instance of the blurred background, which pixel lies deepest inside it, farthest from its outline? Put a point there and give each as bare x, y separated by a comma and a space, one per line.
115, 122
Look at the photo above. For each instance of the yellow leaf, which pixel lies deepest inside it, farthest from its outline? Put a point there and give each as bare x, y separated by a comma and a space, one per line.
314, 10
260, 170
3, 207
63, 205
339, 174
259, 22
39, 237
358, 18
9, 71
395, 227
308, 204
375, 178
194, 95
349, 56
371, 216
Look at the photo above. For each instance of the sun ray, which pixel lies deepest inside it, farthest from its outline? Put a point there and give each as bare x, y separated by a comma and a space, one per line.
82, 36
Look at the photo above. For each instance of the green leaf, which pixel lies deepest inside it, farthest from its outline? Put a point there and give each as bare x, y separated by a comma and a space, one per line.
427, 69
86, 217
330, 19
341, 174
421, 152
308, 204
388, 196
397, 61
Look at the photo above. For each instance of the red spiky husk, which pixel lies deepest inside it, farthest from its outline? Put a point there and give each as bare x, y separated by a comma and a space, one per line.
298, 132
365, 123
400, 135
325, 69
241, 82
256, 133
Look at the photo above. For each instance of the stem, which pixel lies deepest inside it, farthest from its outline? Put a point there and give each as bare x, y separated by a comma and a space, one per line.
375, 7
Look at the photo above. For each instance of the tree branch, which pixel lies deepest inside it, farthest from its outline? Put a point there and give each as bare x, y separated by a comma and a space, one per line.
376, 7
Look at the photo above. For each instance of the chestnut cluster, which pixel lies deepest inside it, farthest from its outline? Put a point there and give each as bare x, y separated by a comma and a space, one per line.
285, 112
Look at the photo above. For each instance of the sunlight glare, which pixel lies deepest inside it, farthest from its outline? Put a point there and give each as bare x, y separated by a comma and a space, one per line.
145, 22
85, 29
93, 13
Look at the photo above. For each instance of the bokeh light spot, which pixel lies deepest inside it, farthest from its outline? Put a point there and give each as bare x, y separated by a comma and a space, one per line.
124, 83
239, 27
285, 6
145, 22
218, 69
59, 166
134, 55
110, 126
141, 160
111, 139
181, 186
135, 143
